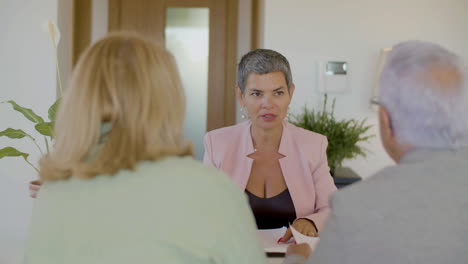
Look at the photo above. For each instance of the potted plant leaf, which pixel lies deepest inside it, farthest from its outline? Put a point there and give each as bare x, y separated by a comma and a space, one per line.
343, 135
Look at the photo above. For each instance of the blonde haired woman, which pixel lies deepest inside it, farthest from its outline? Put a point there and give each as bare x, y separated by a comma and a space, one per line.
121, 185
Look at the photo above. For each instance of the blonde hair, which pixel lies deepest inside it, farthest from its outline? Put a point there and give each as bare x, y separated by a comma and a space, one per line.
134, 85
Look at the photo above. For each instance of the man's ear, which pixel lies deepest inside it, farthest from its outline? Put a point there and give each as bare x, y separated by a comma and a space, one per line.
394, 149
385, 124
387, 135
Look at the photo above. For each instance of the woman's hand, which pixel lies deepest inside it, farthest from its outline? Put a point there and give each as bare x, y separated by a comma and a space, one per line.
299, 249
302, 225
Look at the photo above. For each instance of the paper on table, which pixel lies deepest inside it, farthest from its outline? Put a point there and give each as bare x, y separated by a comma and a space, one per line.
269, 239
300, 238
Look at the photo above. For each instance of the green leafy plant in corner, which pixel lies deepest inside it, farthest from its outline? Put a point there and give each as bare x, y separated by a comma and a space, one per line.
343, 135
45, 128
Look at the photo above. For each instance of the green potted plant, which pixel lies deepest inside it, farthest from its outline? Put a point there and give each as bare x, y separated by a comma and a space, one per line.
45, 128
343, 135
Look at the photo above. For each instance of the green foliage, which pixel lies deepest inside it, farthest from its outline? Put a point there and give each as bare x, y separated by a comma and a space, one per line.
53, 110
46, 129
28, 113
12, 152
43, 127
343, 135
13, 133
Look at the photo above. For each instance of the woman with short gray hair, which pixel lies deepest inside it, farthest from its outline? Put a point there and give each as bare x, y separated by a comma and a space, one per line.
283, 169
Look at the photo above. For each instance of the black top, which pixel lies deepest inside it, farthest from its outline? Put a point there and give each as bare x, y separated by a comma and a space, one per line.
273, 212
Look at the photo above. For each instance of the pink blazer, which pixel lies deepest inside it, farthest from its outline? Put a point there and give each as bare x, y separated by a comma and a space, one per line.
305, 168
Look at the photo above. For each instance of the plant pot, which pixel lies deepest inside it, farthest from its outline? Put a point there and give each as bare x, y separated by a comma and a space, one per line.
344, 176
34, 187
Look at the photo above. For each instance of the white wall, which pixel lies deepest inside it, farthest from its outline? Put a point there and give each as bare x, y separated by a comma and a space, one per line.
244, 22
99, 19
310, 31
27, 75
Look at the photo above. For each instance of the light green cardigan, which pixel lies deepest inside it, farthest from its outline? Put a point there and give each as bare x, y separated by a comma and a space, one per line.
171, 211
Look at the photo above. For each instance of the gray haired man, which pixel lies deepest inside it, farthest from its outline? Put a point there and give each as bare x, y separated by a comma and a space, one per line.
416, 211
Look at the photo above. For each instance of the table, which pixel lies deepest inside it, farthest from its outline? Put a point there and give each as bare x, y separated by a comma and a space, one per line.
275, 260
345, 176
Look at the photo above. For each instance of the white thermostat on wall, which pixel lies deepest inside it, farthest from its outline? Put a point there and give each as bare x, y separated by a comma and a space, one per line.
333, 77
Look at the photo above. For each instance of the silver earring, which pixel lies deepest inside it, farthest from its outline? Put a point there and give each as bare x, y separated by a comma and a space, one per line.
243, 115
287, 114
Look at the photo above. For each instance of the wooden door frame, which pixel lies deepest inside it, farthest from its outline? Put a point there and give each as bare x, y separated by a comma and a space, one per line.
142, 20
231, 63
221, 74
257, 7
81, 27
221, 102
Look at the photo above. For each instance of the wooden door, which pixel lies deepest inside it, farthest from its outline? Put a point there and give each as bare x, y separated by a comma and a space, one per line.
148, 17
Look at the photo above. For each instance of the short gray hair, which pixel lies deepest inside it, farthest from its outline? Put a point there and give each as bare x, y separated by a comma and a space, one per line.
262, 61
424, 89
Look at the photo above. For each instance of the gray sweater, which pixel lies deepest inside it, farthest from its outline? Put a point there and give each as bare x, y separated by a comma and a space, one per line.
414, 212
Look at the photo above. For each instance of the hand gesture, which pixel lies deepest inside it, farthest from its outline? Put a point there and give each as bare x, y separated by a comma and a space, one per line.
302, 225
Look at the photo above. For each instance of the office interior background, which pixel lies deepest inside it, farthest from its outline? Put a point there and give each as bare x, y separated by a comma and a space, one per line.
309, 33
